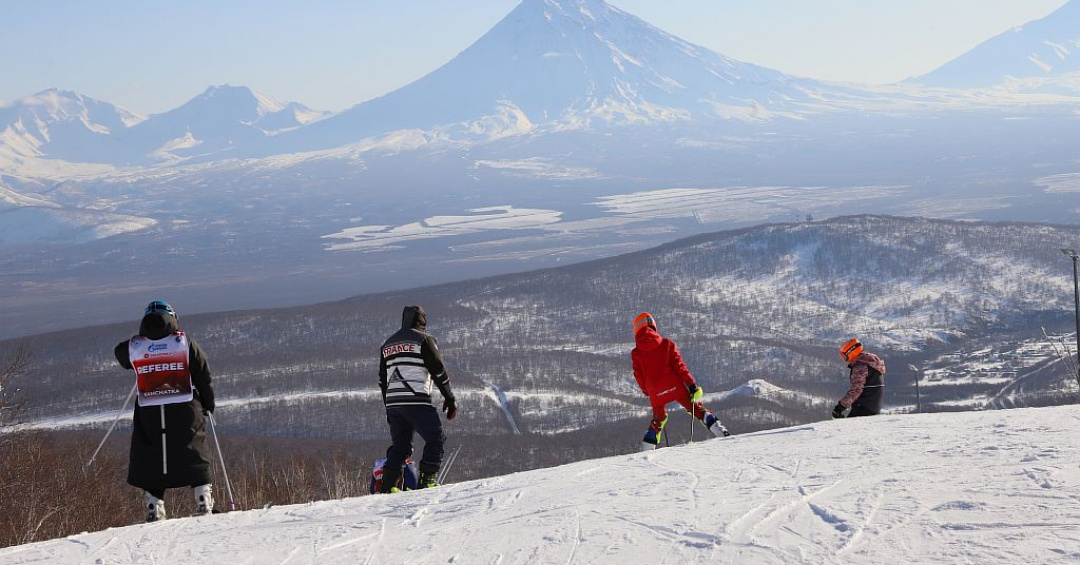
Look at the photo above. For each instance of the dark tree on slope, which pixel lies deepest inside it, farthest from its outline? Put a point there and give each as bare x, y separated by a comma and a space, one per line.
12, 365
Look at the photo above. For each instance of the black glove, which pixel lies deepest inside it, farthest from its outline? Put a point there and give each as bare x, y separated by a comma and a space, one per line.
838, 412
695, 393
207, 411
449, 405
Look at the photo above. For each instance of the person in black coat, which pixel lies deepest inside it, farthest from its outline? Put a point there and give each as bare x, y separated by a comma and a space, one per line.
409, 362
168, 441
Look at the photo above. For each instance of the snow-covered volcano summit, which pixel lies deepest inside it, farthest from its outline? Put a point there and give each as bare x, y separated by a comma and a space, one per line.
1045, 48
567, 63
998, 487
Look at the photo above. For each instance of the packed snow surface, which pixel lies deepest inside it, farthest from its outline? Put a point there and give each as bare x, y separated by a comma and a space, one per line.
980, 487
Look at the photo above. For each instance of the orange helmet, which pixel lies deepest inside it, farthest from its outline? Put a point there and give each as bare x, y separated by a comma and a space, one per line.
851, 350
643, 320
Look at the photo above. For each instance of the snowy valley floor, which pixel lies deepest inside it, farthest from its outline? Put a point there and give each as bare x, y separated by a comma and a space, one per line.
982, 487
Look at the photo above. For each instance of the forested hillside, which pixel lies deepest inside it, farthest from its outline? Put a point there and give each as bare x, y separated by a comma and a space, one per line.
962, 300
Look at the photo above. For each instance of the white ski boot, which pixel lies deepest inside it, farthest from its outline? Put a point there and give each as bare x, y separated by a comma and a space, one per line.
204, 499
155, 507
646, 446
714, 425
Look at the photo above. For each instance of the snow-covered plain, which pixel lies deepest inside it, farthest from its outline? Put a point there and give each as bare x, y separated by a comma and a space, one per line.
1059, 184
618, 212
983, 487
490, 218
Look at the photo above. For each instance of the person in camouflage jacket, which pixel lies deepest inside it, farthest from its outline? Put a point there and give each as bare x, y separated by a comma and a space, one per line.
867, 375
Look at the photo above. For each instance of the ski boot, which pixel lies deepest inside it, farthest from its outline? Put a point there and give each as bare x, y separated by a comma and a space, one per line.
204, 500
650, 441
429, 479
714, 425
155, 507
390, 481
652, 435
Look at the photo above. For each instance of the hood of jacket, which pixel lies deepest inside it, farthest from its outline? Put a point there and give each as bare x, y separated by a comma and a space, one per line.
158, 325
413, 318
648, 339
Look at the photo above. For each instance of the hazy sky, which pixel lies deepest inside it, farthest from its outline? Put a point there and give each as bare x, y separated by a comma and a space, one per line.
153, 56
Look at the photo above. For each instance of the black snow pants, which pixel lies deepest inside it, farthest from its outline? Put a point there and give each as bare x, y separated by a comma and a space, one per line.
404, 422
869, 404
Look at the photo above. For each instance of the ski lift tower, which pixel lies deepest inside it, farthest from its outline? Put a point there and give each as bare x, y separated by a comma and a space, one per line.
1071, 253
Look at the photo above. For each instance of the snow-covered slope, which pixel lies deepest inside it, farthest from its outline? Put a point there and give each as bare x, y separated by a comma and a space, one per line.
1043, 49
566, 63
29, 218
10, 199
997, 487
53, 225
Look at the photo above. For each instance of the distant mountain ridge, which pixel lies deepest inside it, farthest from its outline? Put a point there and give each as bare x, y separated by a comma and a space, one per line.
216, 122
1042, 49
552, 64
548, 67
68, 126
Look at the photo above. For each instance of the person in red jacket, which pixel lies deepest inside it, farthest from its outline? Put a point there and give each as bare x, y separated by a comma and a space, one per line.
664, 378
867, 378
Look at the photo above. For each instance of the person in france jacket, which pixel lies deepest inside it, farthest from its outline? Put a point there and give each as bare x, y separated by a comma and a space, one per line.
409, 363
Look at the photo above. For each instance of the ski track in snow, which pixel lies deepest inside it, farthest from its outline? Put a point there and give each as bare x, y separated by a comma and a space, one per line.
982, 487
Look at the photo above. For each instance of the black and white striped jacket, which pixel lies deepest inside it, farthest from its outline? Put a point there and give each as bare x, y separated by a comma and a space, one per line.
409, 362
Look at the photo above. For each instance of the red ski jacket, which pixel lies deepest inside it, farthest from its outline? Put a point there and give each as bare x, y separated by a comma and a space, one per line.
658, 367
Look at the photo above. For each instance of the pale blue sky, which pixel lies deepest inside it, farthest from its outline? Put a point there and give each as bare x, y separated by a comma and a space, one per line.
151, 56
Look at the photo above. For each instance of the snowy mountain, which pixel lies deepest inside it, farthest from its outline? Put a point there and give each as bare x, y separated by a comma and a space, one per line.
67, 126
555, 65
565, 64
1043, 49
214, 123
551, 67
62, 125
989, 488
